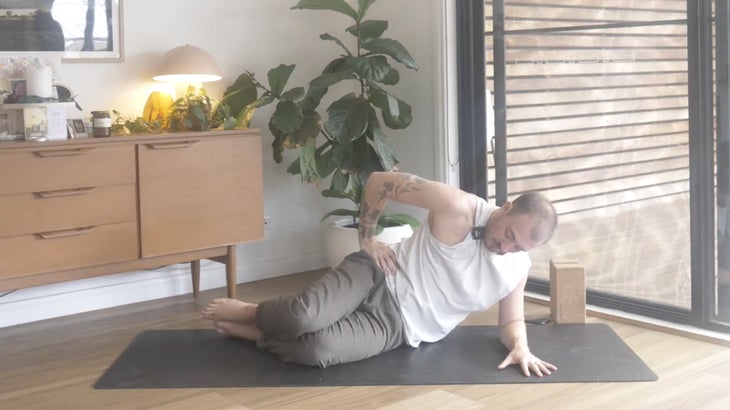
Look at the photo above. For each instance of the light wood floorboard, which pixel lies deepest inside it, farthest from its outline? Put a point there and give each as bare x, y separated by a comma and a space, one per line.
53, 365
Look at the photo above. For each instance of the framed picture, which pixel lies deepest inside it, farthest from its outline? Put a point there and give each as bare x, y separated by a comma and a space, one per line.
31, 27
17, 87
76, 128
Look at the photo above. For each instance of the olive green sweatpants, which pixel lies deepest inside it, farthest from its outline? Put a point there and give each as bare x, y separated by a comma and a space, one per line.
347, 315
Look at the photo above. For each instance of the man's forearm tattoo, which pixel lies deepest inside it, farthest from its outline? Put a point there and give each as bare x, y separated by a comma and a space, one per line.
368, 220
369, 215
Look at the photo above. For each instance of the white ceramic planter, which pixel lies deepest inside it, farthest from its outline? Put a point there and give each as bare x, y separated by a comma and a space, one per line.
341, 240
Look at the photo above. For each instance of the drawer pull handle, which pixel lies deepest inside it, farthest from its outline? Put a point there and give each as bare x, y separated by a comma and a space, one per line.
61, 152
64, 192
64, 233
171, 145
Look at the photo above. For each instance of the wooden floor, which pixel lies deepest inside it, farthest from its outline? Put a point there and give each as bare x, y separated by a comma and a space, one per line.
53, 365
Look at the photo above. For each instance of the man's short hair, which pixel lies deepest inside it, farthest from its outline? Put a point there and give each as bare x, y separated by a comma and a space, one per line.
537, 205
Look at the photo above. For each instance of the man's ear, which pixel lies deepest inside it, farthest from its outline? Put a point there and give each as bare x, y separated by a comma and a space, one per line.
506, 206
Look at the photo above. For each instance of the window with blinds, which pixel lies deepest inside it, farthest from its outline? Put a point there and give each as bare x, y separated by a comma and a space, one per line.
597, 119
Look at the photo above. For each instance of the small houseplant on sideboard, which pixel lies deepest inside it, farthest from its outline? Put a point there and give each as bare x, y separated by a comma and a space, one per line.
347, 145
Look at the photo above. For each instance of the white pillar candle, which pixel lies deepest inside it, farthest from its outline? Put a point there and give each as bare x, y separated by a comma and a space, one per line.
39, 81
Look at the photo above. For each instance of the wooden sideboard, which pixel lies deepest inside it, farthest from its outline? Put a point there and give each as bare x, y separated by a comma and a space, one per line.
88, 207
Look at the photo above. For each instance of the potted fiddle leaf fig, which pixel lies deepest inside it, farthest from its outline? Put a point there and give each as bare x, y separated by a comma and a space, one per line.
345, 142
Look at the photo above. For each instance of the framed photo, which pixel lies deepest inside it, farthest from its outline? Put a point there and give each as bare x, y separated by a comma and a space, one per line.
30, 27
17, 87
76, 128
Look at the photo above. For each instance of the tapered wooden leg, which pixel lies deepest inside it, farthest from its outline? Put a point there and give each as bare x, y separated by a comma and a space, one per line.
195, 273
231, 271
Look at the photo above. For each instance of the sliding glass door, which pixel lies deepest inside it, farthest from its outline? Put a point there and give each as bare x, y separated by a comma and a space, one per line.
600, 106
721, 280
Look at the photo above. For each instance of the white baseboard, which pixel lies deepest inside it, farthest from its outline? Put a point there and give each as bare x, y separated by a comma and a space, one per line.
68, 298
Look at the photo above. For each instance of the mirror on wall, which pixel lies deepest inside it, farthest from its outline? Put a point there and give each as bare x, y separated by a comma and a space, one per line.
71, 29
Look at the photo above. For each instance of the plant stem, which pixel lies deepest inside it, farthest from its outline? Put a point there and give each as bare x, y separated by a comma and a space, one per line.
327, 136
256, 83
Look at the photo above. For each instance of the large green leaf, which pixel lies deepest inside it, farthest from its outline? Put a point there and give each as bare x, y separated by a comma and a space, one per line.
241, 93
315, 93
307, 163
199, 113
243, 119
404, 118
308, 130
277, 146
356, 156
392, 78
330, 37
392, 48
312, 98
338, 64
330, 79
387, 102
287, 117
374, 68
371, 161
334, 193
358, 187
335, 5
386, 153
344, 156
362, 8
396, 113
339, 182
325, 165
278, 78
368, 29
295, 169
295, 94
348, 118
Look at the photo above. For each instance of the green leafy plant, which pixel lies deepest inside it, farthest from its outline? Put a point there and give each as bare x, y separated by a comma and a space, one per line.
193, 112
124, 125
349, 143
237, 105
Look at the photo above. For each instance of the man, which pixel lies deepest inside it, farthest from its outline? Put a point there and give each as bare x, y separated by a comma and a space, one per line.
467, 256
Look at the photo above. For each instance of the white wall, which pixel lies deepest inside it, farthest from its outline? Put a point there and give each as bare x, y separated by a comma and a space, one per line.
255, 36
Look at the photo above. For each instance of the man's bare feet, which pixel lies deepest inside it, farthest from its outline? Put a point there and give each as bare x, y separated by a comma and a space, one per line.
247, 331
230, 310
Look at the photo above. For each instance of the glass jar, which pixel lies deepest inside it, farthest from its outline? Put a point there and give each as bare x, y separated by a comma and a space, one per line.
101, 124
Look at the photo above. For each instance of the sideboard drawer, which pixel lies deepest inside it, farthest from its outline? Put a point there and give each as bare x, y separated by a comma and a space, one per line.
47, 169
67, 208
67, 249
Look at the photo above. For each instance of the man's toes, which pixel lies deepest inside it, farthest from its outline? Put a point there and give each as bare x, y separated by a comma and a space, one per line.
209, 312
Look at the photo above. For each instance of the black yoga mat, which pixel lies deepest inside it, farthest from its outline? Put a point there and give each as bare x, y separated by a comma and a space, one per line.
469, 355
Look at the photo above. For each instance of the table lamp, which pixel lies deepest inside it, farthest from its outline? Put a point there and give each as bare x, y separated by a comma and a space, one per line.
188, 64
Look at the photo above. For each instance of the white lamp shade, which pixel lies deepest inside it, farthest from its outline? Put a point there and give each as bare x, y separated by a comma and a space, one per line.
189, 64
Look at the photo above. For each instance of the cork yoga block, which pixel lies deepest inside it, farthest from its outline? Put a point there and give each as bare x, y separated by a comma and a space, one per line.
567, 292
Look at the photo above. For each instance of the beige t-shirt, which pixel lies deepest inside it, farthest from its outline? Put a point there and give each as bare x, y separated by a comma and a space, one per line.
438, 285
